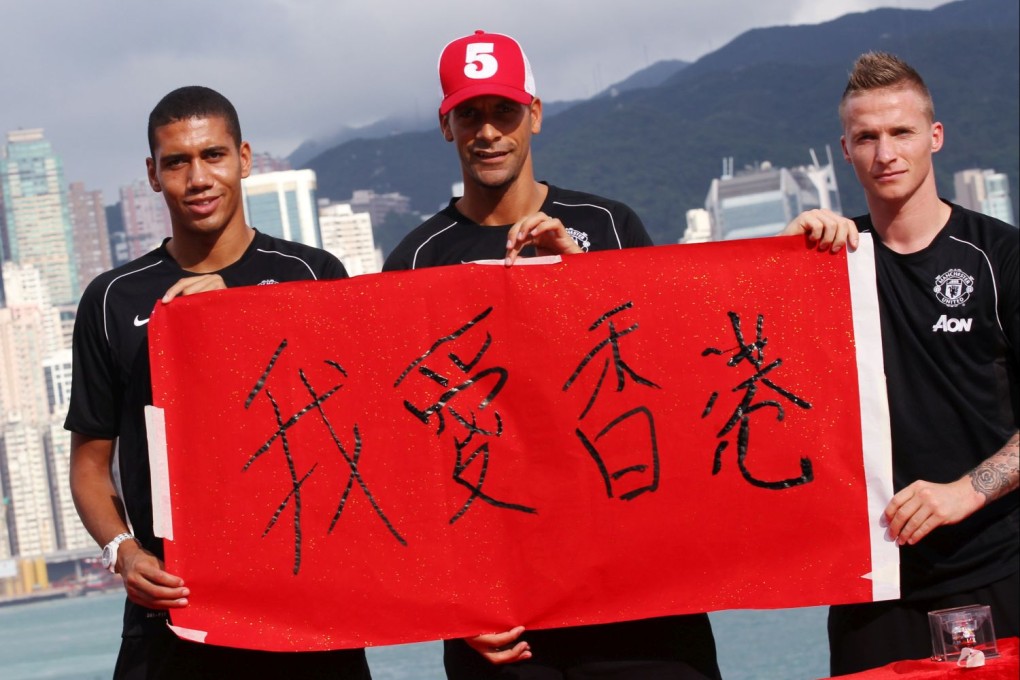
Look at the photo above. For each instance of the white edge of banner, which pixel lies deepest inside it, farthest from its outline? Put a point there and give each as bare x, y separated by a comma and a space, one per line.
875, 432
159, 473
523, 261
188, 633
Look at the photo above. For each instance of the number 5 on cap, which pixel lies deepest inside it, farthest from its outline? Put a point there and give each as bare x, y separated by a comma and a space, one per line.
479, 62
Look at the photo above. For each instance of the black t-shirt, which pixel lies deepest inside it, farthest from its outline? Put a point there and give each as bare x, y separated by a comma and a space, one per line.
950, 316
111, 380
595, 224
448, 237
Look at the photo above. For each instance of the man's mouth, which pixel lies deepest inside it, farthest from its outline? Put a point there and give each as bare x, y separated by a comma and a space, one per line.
489, 154
203, 206
889, 176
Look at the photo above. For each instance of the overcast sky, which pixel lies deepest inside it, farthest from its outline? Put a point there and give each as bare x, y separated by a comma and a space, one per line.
90, 72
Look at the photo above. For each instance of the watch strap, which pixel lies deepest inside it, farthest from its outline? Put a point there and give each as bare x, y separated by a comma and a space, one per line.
110, 551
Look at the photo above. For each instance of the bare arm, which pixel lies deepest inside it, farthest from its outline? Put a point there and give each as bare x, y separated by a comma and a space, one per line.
824, 230
102, 513
998, 475
924, 506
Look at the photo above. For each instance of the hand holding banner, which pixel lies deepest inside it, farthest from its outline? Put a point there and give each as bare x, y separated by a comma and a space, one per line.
439, 453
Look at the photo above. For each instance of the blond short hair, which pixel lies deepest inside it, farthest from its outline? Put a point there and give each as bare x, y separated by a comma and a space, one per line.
878, 70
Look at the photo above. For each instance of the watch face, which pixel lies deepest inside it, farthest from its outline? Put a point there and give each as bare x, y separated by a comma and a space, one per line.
107, 557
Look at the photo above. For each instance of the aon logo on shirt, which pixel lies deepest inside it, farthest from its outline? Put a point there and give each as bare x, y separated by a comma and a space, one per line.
948, 325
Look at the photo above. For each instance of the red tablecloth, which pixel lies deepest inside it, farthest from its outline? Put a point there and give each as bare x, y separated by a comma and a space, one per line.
1006, 666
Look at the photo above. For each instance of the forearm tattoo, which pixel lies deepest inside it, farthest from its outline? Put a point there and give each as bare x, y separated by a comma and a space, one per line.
998, 475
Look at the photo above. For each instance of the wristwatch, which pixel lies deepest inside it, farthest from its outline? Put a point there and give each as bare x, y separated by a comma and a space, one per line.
110, 551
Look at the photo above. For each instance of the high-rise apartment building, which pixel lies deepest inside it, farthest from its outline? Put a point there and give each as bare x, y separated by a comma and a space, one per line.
146, 218
348, 235
27, 289
30, 331
91, 240
761, 200
35, 379
8, 567
381, 205
36, 212
57, 378
699, 226
70, 533
984, 191
118, 236
283, 204
5, 246
26, 488
266, 162
22, 386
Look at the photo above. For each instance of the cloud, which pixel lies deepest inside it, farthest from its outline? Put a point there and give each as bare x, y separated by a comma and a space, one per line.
90, 72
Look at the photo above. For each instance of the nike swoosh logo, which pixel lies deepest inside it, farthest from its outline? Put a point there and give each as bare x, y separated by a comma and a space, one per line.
140, 322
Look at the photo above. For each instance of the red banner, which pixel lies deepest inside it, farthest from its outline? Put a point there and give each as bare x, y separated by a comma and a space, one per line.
440, 453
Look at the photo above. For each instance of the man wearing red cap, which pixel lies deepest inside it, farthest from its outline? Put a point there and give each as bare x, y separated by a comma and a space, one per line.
490, 113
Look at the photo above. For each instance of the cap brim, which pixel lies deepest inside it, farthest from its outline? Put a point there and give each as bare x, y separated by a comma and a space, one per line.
484, 90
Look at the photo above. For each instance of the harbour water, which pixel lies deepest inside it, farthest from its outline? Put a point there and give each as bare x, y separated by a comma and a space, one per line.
77, 639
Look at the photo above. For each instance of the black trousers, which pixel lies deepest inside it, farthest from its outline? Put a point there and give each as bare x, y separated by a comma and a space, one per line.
163, 656
873, 634
667, 648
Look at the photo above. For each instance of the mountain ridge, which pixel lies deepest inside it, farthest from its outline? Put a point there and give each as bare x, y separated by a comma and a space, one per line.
657, 148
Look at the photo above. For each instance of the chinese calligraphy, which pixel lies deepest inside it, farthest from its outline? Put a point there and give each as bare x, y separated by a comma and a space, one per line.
471, 465
754, 354
281, 433
639, 418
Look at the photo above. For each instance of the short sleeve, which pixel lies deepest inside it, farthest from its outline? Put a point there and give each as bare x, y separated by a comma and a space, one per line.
95, 405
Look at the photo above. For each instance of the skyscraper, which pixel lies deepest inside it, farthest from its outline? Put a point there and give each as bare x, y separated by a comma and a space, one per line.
984, 191
348, 235
27, 289
25, 481
57, 443
91, 240
283, 204
146, 218
22, 384
34, 383
37, 217
381, 205
761, 200
699, 226
266, 162
70, 532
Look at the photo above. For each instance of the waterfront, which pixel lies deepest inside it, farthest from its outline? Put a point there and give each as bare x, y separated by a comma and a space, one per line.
77, 639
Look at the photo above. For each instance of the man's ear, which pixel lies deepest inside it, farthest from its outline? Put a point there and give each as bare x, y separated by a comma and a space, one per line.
245, 153
938, 136
536, 115
150, 171
444, 126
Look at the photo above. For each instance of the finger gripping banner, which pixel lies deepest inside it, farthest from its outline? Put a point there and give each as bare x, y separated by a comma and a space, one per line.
441, 453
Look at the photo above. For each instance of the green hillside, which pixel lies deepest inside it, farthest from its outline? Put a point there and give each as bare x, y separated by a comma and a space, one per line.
770, 94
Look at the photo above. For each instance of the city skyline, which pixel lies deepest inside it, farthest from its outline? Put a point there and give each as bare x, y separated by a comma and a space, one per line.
292, 80
138, 223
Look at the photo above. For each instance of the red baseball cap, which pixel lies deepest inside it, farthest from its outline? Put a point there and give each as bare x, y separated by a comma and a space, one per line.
484, 64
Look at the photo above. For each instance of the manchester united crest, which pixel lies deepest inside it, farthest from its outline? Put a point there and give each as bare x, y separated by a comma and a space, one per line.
580, 238
953, 288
